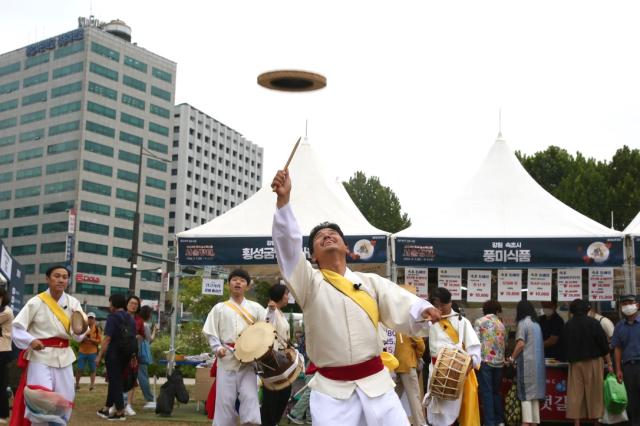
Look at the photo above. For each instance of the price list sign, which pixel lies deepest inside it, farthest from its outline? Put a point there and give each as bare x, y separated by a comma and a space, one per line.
451, 279
417, 277
539, 284
478, 286
509, 285
600, 284
569, 284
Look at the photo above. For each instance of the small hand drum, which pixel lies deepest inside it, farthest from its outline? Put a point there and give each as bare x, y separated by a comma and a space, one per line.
255, 342
449, 373
79, 322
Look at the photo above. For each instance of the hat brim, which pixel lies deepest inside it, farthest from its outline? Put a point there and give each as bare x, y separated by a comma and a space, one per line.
292, 81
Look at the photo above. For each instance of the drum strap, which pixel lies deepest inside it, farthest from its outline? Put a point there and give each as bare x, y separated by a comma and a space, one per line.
360, 297
450, 330
249, 319
56, 309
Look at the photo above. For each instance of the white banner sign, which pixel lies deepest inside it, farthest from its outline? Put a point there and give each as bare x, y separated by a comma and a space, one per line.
600, 284
478, 286
509, 285
539, 284
417, 277
569, 284
212, 286
451, 279
6, 262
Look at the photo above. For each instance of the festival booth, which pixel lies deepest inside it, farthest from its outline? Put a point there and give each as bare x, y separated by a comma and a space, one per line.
504, 236
632, 233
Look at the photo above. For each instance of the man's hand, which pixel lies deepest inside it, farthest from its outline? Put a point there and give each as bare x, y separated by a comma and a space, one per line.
619, 375
281, 185
98, 359
431, 314
221, 352
36, 345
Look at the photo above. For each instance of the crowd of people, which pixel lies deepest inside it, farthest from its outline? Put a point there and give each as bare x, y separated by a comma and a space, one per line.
345, 314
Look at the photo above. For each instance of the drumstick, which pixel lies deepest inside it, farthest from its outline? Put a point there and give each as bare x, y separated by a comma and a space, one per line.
452, 314
293, 151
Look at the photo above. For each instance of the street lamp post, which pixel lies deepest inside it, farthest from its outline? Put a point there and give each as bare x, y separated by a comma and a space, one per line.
133, 265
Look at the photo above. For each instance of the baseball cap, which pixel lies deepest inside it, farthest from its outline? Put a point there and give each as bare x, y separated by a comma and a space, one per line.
626, 297
91, 315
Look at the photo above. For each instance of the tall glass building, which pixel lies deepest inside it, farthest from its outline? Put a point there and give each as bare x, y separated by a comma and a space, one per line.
76, 112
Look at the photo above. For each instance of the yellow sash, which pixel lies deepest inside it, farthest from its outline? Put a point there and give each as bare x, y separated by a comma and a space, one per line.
249, 319
362, 298
470, 408
56, 309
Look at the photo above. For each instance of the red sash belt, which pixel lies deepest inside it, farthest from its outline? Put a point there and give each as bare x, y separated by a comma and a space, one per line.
353, 372
210, 404
17, 413
433, 360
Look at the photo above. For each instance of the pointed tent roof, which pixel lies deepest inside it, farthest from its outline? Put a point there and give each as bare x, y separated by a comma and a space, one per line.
634, 227
315, 197
503, 200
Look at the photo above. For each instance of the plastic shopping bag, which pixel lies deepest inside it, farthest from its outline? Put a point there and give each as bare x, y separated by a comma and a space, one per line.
615, 395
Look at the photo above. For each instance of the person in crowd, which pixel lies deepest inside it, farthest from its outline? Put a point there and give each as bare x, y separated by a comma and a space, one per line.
528, 354
606, 323
626, 344
454, 330
6, 317
409, 351
275, 402
492, 334
301, 345
586, 348
223, 325
88, 350
133, 308
143, 363
116, 361
552, 326
342, 310
301, 411
42, 330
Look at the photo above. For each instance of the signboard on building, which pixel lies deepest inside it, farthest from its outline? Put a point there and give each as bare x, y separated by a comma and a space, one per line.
600, 284
417, 277
451, 279
569, 284
509, 285
539, 284
478, 286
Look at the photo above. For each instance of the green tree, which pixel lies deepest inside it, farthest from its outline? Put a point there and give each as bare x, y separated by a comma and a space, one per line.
548, 167
378, 203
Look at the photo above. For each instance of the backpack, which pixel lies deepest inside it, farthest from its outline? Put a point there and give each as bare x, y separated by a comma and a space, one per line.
172, 389
127, 344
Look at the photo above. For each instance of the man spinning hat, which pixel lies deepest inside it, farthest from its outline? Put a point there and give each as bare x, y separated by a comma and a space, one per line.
342, 310
42, 330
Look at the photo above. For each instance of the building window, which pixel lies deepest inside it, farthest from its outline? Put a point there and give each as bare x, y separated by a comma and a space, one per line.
31, 191
68, 70
135, 83
69, 49
53, 227
129, 138
133, 101
5, 195
162, 75
7, 140
103, 71
64, 109
64, 128
29, 154
127, 175
121, 252
156, 128
128, 157
152, 238
100, 129
98, 148
62, 90
24, 250
98, 168
21, 231
124, 213
162, 94
9, 87
89, 288
157, 110
28, 173
152, 219
158, 147
119, 272
105, 51
156, 183
36, 60
54, 188
123, 194
9, 69
33, 116
94, 248
132, 120
96, 188
61, 167
92, 268
94, 228
26, 211
91, 207
127, 234
57, 207
157, 165
7, 123
101, 110
135, 64
103, 91
56, 247
35, 79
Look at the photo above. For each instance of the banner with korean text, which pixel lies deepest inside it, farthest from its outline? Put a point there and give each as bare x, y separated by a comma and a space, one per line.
260, 250
478, 286
600, 284
539, 284
509, 253
569, 284
417, 277
451, 279
509, 285
213, 286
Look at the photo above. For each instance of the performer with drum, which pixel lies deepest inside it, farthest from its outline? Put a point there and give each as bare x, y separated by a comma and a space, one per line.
275, 401
42, 330
225, 322
342, 310
453, 331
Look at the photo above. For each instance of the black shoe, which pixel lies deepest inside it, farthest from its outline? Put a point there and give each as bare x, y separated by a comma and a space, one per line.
117, 417
103, 413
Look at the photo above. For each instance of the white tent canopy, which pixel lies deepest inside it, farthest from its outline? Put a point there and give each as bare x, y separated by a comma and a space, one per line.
315, 198
634, 227
503, 200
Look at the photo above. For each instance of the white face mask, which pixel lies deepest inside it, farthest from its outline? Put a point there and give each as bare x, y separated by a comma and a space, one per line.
630, 309
547, 311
